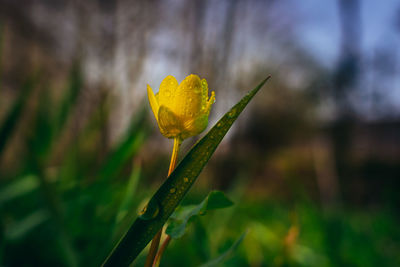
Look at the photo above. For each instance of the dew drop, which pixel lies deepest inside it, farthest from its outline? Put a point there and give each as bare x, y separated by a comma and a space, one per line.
186, 180
219, 124
150, 211
172, 190
231, 114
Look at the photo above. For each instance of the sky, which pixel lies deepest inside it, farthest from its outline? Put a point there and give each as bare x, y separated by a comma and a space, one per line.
318, 31
319, 26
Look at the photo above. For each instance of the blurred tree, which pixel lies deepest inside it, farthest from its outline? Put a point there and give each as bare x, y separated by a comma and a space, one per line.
344, 83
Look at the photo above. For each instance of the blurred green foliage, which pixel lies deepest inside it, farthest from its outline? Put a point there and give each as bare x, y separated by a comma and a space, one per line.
181, 216
69, 206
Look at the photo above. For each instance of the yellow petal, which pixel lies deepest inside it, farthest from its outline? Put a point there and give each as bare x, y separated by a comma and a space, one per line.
153, 101
195, 126
204, 93
188, 98
170, 125
209, 103
181, 110
167, 91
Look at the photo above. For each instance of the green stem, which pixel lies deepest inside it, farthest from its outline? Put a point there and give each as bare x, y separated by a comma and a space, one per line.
164, 245
156, 239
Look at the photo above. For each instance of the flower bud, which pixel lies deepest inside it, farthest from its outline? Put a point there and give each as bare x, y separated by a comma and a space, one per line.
181, 110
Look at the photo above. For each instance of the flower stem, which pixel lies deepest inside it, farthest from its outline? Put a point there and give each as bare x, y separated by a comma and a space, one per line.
174, 156
156, 239
161, 251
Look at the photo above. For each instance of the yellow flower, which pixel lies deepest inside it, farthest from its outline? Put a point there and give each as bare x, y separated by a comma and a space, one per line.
181, 110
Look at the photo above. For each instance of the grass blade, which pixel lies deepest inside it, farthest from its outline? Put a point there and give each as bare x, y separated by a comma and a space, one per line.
29, 223
224, 256
18, 188
134, 138
70, 98
170, 194
180, 218
14, 115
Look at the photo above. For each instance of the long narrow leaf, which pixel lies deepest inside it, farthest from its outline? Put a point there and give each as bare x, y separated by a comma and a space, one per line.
134, 138
69, 99
218, 261
170, 194
12, 118
180, 218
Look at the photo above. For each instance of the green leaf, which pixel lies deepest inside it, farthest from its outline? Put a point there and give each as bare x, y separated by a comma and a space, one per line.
27, 224
134, 138
14, 115
180, 218
226, 254
129, 193
18, 188
217, 200
173, 190
69, 99
41, 126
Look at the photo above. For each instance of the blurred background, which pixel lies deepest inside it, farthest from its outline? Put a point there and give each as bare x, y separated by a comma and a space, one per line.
313, 163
